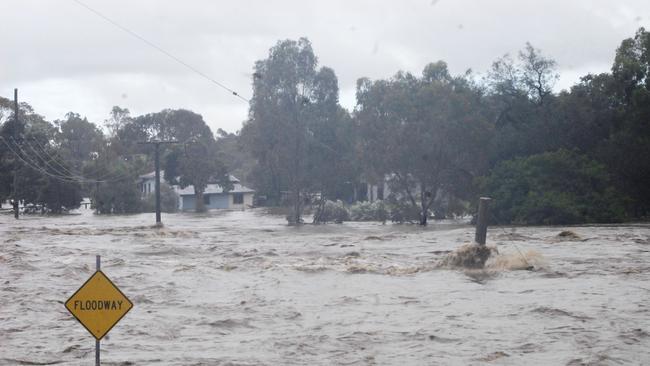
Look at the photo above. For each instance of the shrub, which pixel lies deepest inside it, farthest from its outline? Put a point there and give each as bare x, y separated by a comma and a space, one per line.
402, 211
561, 187
168, 200
367, 211
332, 211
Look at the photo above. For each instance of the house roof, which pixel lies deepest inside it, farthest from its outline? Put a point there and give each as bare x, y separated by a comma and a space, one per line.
152, 175
214, 189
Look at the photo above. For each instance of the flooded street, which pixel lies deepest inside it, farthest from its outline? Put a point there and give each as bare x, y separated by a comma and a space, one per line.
242, 288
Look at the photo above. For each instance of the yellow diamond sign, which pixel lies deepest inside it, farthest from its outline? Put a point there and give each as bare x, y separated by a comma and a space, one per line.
98, 305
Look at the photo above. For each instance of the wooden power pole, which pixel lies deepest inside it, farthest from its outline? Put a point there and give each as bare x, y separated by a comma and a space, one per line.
15, 136
157, 164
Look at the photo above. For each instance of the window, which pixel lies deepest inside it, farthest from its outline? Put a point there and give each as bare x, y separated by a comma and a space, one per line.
238, 198
206, 199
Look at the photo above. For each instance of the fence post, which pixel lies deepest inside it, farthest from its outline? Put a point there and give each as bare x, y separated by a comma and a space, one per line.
482, 220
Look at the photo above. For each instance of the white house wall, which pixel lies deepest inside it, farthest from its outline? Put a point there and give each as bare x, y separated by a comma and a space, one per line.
248, 201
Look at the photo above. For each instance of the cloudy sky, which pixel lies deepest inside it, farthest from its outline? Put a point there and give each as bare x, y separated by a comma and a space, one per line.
63, 57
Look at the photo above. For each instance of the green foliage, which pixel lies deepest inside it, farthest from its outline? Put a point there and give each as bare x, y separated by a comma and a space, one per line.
121, 197
39, 164
238, 160
297, 132
58, 197
561, 187
429, 134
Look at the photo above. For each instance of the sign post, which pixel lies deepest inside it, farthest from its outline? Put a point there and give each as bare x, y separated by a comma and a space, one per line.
98, 305
98, 267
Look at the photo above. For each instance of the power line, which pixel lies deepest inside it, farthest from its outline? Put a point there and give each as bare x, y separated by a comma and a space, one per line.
55, 173
36, 167
161, 50
98, 177
63, 172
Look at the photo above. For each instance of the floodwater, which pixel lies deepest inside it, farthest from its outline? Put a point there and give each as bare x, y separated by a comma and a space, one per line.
242, 288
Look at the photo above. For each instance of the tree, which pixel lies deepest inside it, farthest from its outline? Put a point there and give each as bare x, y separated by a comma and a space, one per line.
238, 160
79, 139
628, 146
197, 164
119, 117
519, 93
168, 200
332, 165
533, 76
194, 161
43, 175
291, 105
428, 134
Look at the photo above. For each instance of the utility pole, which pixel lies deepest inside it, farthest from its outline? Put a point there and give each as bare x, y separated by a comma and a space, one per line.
15, 135
157, 164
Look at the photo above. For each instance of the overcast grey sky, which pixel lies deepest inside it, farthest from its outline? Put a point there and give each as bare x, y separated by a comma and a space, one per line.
64, 58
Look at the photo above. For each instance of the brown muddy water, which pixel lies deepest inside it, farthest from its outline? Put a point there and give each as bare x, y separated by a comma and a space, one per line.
242, 288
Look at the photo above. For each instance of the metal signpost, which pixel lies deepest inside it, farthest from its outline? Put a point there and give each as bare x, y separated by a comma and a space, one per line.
98, 305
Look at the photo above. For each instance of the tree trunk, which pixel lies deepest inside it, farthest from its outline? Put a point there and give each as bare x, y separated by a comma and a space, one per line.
318, 216
423, 219
424, 207
200, 205
423, 214
297, 208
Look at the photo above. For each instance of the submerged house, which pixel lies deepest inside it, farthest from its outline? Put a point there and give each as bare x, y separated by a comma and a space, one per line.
214, 196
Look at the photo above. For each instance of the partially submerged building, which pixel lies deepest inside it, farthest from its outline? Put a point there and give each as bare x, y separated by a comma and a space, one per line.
214, 196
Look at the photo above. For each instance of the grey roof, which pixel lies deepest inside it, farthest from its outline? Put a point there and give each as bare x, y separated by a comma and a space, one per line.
212, 188
152, 175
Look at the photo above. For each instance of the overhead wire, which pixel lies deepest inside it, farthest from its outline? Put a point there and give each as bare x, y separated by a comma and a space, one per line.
161, 50
36, 167
50, 158
100, 178
55, 173
64, 172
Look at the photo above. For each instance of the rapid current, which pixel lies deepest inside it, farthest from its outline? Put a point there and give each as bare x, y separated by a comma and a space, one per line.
243, 288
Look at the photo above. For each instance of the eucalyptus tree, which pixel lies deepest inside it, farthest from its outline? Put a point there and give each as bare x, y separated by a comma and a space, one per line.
289, 129
427, 134
628, 147
43, 171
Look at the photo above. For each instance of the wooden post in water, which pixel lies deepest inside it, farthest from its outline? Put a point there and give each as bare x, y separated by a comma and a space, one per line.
482, 220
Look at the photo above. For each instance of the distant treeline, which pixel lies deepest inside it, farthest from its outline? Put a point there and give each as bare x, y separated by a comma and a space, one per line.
438, 141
